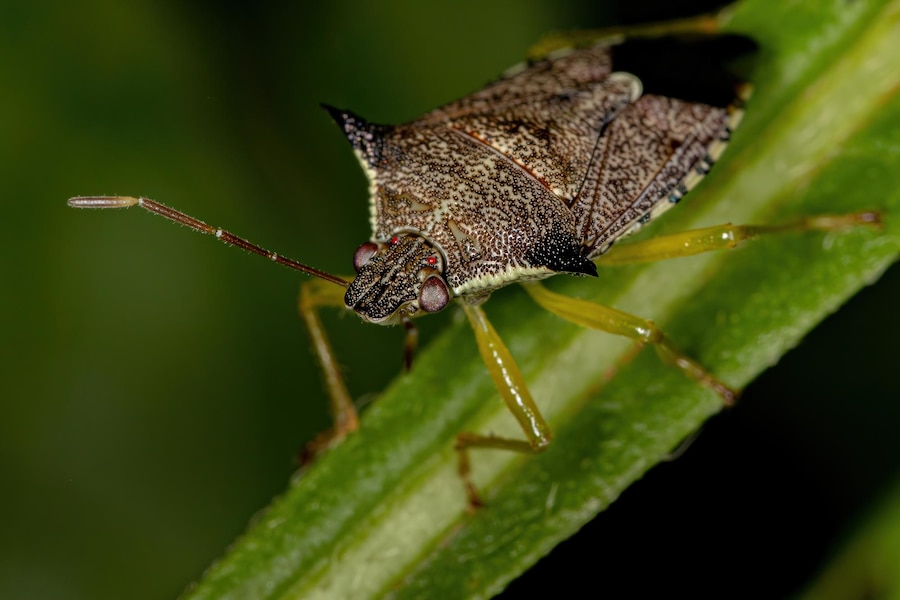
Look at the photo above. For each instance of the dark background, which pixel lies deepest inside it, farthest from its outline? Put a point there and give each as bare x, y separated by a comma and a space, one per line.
156, 386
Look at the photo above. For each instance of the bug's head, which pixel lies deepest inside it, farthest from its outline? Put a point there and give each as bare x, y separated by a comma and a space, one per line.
397, 279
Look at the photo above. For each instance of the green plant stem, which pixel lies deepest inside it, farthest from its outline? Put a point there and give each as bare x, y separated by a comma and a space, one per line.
385, 513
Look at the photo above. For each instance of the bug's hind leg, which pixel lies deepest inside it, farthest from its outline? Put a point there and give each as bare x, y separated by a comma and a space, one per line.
687, 243
313, 295
515, 394
617, 322
723, 237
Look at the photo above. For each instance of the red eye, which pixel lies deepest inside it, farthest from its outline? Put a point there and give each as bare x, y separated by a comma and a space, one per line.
434, 294
431, 260
363, 254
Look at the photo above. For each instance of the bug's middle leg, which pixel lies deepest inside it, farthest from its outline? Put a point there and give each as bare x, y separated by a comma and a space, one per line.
515, 394
617, 322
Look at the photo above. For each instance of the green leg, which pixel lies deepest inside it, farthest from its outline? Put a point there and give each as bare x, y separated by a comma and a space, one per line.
604, 318
313, 295
707, 24
510, 383
722, 237
509, 380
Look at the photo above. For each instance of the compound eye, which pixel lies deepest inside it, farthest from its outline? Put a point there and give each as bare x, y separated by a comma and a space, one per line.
434, 294
363, 254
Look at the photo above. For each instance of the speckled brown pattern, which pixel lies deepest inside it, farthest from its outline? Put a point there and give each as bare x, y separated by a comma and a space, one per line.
535, 174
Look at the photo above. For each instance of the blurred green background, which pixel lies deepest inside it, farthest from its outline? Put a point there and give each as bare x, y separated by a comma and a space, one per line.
157, 386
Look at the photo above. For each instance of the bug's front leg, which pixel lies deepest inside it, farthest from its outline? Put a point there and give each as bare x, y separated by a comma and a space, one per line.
617, 322
515, 394
313, 295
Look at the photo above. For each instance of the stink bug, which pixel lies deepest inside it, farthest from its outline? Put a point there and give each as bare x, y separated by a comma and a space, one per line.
538, 173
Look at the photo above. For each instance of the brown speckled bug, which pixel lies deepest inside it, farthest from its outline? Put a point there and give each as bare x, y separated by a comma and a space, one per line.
538, 173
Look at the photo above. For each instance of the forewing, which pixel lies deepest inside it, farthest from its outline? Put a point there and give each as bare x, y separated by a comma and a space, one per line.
547, 116
644, 162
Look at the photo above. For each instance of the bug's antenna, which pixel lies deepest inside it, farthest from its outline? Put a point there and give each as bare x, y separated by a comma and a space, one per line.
197, 225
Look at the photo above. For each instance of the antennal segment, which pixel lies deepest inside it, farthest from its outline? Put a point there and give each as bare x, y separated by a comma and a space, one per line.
197, 225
